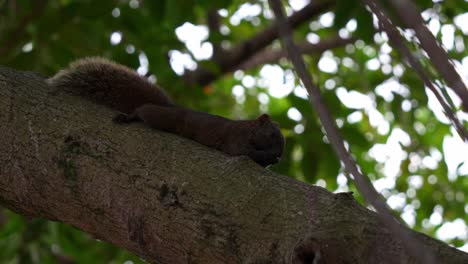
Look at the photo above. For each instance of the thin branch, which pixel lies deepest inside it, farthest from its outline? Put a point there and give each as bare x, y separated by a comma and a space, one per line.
410, 15
245, 50
398, 42
273, 56
214, 23
363, 183
20, 29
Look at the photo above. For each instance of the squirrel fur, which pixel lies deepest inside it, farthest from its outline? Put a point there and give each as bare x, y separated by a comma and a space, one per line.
122, 89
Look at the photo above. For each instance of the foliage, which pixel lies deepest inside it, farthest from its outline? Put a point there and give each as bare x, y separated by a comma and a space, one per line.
44, 36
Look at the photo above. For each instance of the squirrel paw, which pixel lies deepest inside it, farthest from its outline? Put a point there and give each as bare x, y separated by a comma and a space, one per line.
122, 118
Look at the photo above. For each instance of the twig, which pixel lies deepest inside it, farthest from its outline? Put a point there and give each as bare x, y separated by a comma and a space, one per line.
413, 246
245, 50
213, 22
19, 31
398, 42
410, 15
271, 56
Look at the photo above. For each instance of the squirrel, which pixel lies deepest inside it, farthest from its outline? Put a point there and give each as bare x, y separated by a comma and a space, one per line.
136, 99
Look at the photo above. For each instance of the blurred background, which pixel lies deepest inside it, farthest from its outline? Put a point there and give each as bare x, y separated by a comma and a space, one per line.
393, 125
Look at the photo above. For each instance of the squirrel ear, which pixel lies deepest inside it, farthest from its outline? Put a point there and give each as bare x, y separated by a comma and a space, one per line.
263, 119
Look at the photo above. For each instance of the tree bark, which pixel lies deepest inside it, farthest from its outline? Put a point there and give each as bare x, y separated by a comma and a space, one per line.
168, 199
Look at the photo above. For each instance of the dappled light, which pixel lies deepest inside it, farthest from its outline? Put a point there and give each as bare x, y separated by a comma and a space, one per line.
208, 56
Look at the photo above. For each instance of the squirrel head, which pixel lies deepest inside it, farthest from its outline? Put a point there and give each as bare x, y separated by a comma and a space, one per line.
266, 140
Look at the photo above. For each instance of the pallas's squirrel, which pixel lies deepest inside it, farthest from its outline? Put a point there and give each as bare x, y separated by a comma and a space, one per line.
137, 99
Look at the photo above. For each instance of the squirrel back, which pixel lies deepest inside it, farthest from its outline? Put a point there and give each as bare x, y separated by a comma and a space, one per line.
110, 84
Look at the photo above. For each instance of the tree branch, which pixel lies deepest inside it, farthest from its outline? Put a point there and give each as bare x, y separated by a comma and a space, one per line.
214, 23
365, 187
273, 56
397, 41
19, 31
168, 199
411, 16
231, 59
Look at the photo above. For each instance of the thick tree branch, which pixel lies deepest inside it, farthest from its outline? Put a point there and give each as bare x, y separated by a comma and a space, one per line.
411, 16
231, 59
168, 199
363, 184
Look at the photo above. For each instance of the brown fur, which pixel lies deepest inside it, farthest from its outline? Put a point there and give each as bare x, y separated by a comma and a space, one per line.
110, 84
122, 89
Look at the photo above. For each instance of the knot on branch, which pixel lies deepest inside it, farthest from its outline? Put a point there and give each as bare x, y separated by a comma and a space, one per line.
308, 250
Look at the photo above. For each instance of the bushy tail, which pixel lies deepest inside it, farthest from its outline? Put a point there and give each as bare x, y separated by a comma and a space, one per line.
109, 83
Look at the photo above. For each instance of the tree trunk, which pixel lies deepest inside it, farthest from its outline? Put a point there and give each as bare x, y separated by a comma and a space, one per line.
169, 199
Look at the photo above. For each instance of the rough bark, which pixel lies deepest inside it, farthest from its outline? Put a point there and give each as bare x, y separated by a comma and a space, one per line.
168, 199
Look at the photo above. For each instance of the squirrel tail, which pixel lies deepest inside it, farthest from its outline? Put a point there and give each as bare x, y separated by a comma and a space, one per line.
109, 83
